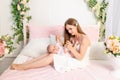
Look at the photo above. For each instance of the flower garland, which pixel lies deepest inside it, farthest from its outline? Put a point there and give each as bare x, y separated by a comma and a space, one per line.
19, 14
99, 10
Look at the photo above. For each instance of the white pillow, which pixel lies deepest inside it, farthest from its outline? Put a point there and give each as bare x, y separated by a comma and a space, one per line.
52, 39
36, 47
21, 59
97, 51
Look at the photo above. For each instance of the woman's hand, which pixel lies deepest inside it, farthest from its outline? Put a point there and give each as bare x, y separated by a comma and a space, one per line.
68, 45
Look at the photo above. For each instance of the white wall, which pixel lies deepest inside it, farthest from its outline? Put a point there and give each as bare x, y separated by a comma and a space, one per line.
55, 12
48, 12
5, 17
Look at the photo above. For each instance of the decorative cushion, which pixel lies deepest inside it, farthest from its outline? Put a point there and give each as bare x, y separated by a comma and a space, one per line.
36, 47
97, 51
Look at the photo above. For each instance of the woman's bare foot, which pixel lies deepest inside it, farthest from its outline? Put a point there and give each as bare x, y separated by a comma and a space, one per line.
13, 66
19, 67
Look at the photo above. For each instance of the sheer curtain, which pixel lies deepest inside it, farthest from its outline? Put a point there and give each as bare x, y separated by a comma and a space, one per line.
113, 18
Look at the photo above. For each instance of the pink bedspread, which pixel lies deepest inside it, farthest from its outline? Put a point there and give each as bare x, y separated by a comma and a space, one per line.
97, 70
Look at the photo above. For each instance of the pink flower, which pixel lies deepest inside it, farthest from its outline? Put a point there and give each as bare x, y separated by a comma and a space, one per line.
2, 48
116, 49
113, 45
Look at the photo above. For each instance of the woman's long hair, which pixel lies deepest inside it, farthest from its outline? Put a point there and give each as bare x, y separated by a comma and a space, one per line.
71, 21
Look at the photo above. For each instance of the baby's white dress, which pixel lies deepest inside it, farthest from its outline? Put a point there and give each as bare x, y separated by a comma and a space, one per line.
63, 62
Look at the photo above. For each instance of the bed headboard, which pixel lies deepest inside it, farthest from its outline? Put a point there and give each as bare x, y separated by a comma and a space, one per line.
38, 37
36, 31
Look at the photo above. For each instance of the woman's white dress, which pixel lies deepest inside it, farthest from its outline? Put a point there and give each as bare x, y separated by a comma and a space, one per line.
64, 63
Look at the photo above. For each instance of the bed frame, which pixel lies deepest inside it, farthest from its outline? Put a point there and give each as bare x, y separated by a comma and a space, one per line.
97, 70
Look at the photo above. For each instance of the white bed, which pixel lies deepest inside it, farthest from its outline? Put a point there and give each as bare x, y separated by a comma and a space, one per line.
98, 69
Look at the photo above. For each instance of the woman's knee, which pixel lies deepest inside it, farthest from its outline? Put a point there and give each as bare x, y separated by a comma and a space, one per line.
50, 58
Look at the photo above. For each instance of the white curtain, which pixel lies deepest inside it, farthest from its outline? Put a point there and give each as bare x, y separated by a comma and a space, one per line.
113, 18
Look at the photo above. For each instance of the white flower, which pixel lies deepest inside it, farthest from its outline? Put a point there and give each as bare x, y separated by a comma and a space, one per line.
96, 7
4, 43
22, 13
103, 15
24, 2
18, 7
6, 50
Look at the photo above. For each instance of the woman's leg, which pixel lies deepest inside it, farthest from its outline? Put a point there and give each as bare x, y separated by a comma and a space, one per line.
36, 64
35, 59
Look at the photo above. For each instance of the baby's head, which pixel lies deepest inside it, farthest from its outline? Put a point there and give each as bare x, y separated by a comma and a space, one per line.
52, 48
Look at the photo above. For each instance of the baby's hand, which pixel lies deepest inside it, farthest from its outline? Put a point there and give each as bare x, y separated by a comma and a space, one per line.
58, 38
65, 49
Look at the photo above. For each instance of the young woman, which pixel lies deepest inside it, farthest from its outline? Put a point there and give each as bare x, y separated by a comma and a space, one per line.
75, 40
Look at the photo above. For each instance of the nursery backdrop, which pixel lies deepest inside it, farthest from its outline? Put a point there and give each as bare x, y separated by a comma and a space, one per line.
55, 12
47, 12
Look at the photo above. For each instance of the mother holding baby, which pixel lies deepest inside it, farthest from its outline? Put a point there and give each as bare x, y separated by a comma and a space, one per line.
76, 42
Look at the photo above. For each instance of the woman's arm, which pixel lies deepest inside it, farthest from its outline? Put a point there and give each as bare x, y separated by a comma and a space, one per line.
83, 48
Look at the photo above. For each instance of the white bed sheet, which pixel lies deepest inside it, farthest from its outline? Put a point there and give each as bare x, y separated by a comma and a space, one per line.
97, 70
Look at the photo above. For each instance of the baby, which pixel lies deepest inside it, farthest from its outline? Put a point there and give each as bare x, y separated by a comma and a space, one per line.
57, 49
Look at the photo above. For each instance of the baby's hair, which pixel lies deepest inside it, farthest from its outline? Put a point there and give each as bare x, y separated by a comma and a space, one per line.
48, 47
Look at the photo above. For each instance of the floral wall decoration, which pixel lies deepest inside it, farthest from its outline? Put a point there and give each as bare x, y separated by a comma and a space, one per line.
99, 10
6, 45
19, 10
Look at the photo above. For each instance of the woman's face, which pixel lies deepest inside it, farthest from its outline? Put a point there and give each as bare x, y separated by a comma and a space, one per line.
71, 29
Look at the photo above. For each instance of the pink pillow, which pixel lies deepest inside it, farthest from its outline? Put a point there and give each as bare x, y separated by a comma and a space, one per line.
45, 31
92, 32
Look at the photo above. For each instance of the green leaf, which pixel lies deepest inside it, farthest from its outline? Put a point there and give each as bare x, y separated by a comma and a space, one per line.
20, 38
92, 3
22, 6
18, 18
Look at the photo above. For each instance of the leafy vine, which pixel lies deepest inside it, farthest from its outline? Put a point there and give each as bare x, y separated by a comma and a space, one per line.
99, 10
19, 11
